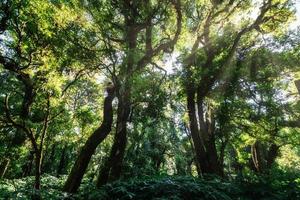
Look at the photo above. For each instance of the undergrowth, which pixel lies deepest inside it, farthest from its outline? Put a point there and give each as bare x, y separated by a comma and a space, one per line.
273, 186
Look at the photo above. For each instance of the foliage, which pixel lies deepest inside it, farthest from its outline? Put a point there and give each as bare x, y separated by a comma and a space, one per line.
23, 188
277, 185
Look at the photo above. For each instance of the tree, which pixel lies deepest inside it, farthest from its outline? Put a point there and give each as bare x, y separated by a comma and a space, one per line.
91, 144
128, 35
210, 61
28, 58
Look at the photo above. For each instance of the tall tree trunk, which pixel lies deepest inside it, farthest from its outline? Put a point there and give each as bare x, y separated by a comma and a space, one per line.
118, 149
208, 159
84, 157
3, 167
202, 132
113, 166
195, 133
207, 132
212, 155
37, 182
263, 158
38, 162
258, 158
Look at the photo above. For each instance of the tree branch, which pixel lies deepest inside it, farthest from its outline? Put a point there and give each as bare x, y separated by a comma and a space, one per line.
167, 45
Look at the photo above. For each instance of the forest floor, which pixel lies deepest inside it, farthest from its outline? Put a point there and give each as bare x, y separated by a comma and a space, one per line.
280, 186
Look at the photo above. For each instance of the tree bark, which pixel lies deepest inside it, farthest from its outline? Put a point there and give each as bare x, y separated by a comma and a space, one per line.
258, 157
297, 83
84, 157
113, 165
37, 182
263, 158
207, 132
203, 137
3, 167
112, 168
195, 133
38, 160
118, 150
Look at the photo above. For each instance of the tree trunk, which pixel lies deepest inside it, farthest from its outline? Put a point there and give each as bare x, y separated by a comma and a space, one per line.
37, 182
118, 150
258, 158
38, 159
197, 142
3, 167
84, 157
113, 166
203, 136
297, 83
263, 158
212, 155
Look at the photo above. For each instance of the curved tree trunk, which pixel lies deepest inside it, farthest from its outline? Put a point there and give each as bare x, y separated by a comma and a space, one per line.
118, 150
113, 166
84, 157
257, 157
